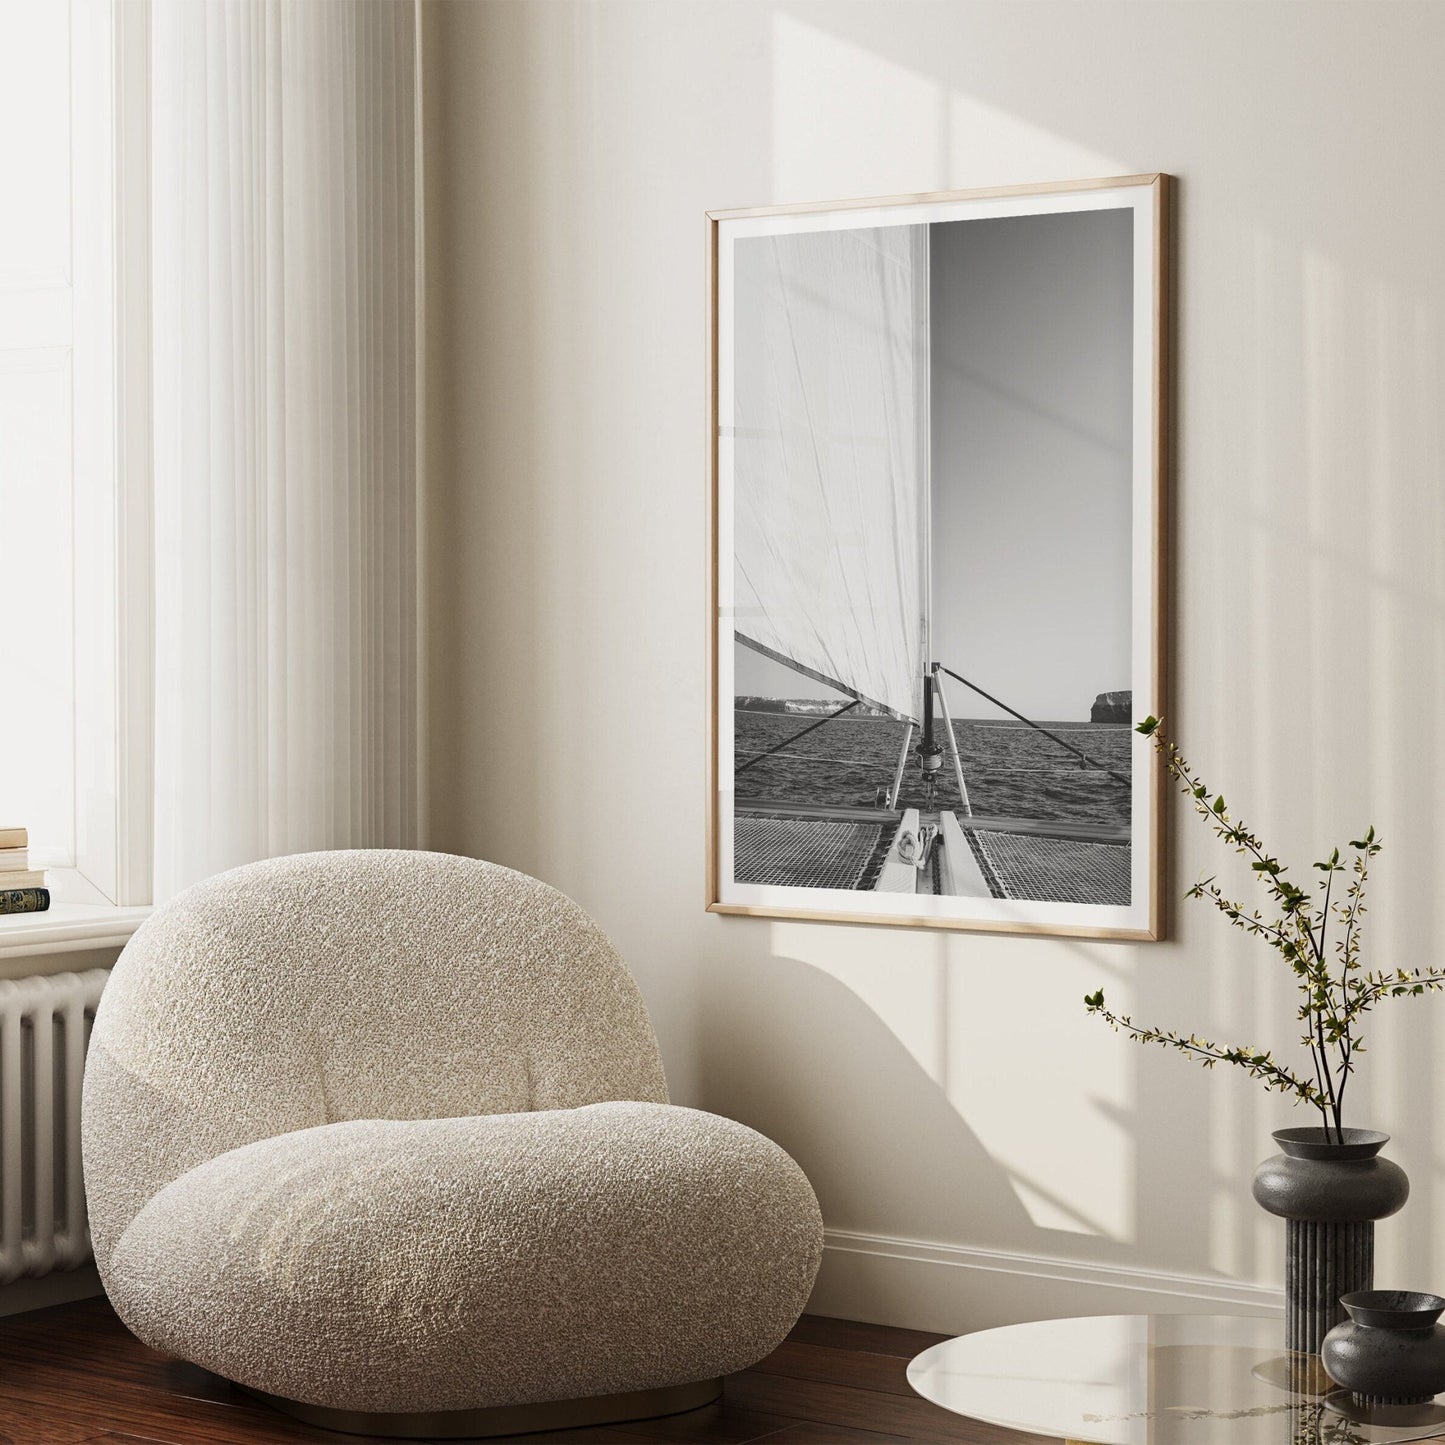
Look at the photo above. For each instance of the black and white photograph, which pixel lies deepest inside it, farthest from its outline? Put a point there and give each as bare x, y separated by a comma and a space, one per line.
937, 569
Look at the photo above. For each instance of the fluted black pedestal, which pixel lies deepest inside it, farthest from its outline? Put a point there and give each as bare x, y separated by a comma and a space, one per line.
1323, 1260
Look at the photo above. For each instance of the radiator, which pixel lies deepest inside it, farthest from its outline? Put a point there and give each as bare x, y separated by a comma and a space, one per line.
44, 1029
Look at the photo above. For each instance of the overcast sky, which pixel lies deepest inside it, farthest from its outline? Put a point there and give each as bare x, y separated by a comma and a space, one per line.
1031, 436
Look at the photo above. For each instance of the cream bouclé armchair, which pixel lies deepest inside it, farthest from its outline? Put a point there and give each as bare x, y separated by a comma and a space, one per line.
384, 1136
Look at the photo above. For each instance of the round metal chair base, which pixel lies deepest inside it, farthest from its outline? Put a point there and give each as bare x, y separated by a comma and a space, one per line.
503, 1419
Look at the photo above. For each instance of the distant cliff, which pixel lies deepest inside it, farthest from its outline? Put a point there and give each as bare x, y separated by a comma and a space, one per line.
1113, 707
801, 706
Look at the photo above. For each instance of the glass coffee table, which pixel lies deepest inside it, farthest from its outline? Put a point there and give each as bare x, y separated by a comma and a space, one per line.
1157, 1380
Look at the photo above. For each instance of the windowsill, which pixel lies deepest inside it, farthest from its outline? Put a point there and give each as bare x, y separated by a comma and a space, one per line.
68, 928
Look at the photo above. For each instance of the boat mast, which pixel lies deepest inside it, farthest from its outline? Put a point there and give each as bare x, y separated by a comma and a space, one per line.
930, 755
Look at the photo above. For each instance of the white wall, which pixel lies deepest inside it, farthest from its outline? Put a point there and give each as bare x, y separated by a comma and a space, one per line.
950, 1090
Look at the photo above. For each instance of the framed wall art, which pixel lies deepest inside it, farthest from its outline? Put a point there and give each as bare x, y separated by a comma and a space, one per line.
938, 482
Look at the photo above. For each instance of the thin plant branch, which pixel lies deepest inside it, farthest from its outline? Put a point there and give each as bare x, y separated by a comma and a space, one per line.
1335, 992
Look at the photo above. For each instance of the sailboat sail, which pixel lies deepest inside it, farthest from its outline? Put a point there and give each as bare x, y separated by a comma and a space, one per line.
829, 427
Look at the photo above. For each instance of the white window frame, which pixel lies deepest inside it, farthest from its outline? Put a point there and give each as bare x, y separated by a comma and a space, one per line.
103, 897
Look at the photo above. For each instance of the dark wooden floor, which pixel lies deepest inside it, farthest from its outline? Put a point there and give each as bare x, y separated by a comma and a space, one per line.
74, 1373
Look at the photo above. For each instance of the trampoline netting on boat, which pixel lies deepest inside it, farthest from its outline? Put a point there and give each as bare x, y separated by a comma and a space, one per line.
1061, 870
806, 852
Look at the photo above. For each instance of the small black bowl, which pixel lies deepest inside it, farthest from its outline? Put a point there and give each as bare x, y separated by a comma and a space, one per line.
1393, 1309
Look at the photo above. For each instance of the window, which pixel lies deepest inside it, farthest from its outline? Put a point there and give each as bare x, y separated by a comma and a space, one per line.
63, 658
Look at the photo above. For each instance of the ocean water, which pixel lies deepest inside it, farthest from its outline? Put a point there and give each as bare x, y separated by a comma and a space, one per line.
1009, 769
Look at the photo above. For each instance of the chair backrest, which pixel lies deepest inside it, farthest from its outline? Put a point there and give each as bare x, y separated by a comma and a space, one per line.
348, 985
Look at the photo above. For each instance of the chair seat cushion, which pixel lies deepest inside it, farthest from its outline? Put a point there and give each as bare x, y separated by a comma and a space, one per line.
450, 1264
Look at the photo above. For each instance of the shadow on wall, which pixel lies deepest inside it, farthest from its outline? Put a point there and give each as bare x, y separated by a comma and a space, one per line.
799, 1055
795, 1052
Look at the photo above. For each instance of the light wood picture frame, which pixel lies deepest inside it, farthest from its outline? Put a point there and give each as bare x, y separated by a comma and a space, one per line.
938, 467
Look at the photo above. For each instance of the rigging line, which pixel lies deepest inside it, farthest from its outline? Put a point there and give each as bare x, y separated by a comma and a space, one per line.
1013, 712
810, 728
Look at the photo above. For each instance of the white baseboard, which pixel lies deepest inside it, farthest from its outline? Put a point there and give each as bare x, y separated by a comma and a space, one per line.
59, 1288
910, 1283
953, 1289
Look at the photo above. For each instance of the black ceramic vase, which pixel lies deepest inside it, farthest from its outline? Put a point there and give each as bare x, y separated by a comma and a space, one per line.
1329, 1188
1390, 1351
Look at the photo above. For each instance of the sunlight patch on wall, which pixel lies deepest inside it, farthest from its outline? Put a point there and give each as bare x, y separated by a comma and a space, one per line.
991, 147
1054, 1212
1065, 1135
848, 122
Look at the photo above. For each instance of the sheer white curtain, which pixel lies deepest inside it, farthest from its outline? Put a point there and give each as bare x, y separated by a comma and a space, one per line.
285, 280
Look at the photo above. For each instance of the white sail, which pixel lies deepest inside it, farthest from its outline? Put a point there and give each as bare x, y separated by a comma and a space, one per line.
830, 427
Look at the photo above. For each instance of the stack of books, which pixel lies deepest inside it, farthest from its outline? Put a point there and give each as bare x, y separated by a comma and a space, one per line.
22, 888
